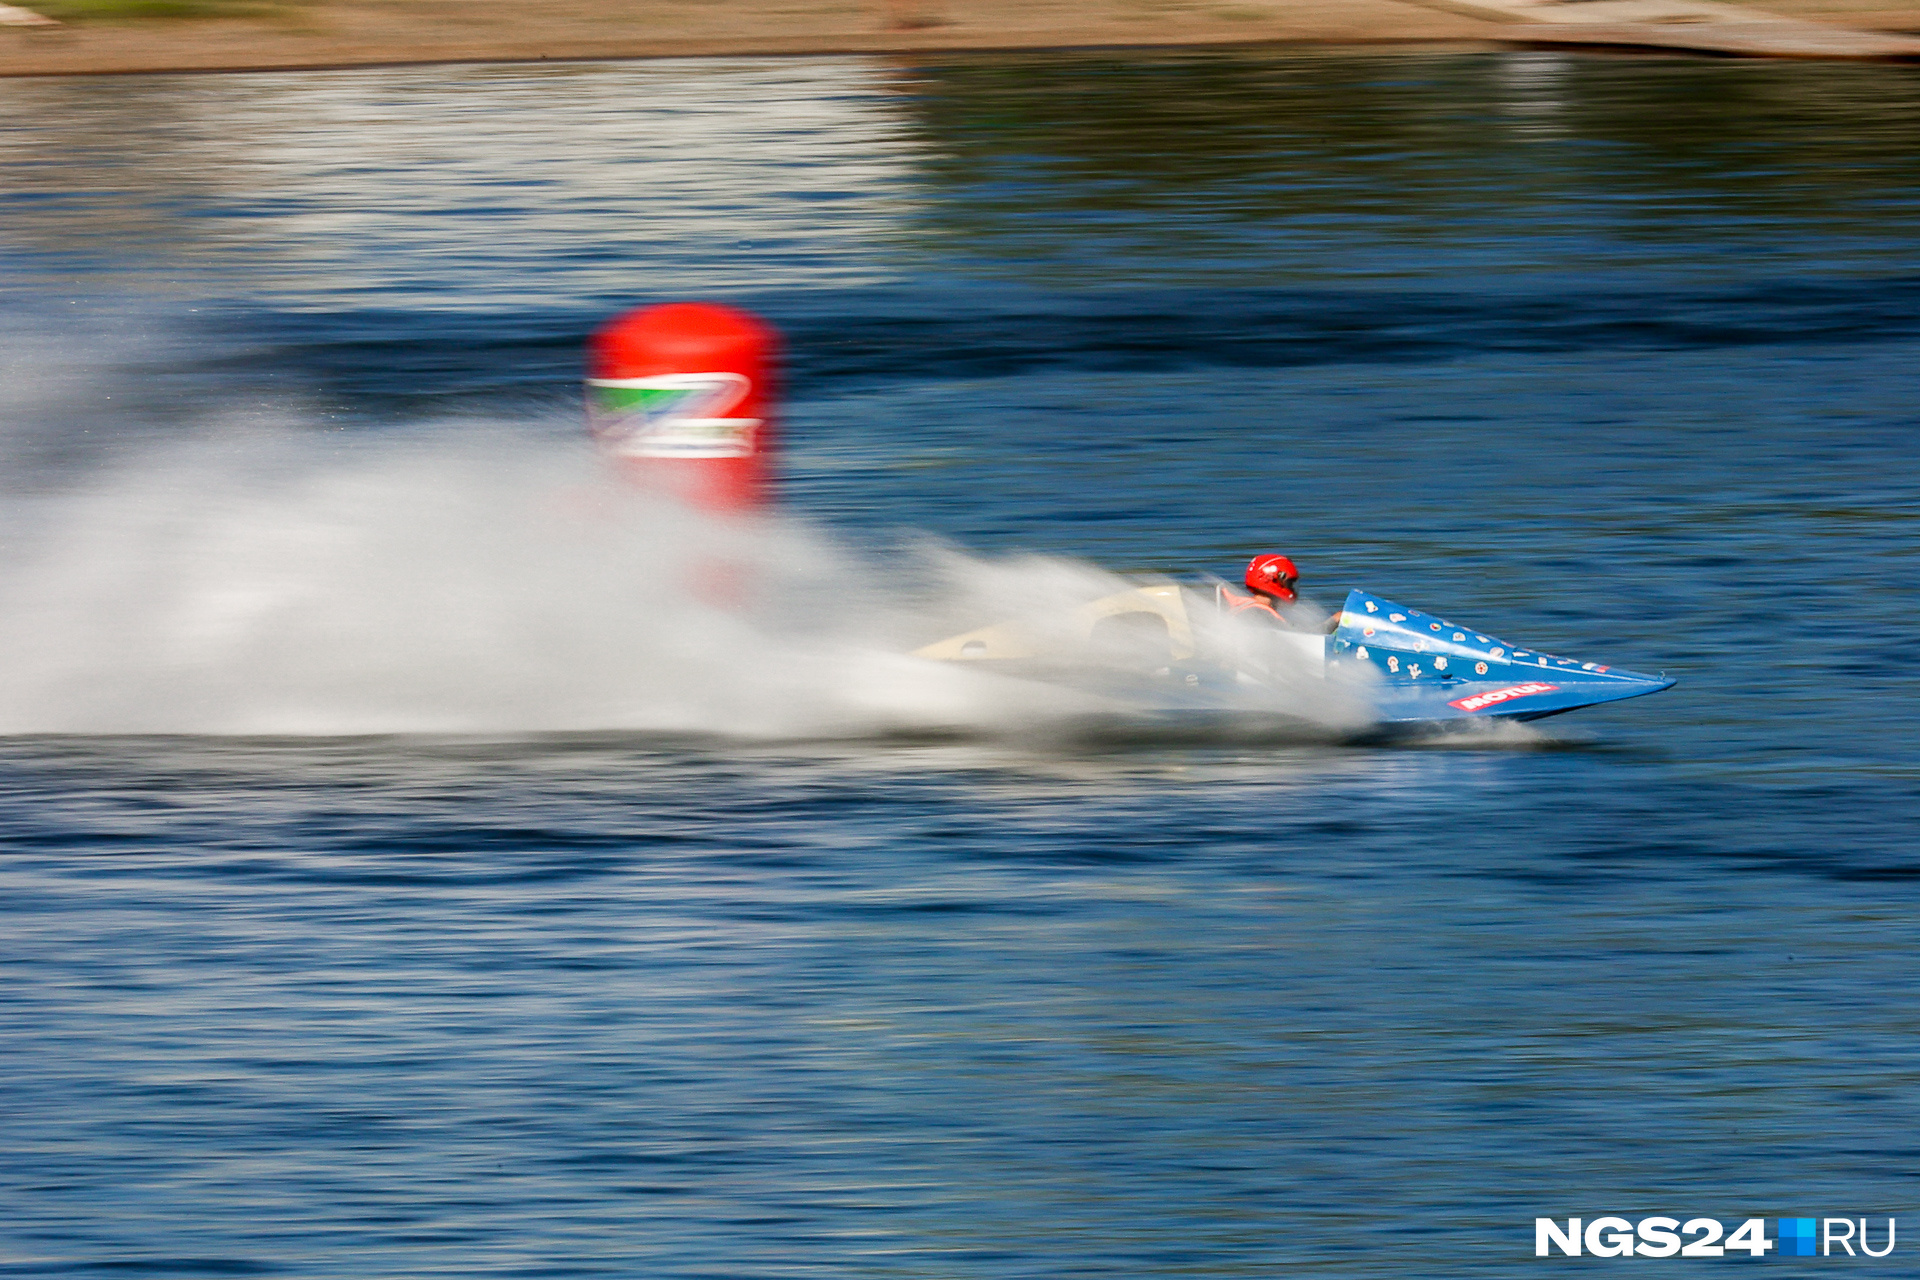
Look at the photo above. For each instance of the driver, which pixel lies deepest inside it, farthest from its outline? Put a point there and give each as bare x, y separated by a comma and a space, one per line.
1270, 580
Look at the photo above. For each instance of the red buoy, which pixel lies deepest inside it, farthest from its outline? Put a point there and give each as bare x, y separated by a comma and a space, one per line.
681, 397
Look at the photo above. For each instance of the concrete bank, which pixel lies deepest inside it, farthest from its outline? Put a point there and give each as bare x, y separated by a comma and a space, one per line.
348, 33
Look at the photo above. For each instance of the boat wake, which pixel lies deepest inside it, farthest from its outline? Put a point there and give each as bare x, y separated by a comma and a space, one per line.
476, 578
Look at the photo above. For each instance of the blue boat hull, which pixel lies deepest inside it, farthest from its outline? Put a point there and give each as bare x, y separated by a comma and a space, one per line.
1428, 669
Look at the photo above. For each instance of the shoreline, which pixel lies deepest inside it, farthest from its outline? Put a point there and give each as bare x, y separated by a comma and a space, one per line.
745, 47
336, 35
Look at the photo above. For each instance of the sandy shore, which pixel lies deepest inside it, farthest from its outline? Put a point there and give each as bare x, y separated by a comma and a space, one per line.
341, 33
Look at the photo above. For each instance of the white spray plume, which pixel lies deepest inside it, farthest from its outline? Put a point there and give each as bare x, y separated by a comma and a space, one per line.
468, 579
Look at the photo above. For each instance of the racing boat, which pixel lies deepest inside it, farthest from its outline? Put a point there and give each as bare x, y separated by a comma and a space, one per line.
1172, 643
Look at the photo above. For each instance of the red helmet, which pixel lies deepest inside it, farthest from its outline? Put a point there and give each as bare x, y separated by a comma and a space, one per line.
1273, 576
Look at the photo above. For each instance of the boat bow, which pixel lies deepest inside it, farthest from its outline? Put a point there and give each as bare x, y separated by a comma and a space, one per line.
1428, 668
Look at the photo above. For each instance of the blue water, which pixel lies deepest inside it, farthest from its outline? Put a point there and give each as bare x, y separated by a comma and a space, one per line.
367, 915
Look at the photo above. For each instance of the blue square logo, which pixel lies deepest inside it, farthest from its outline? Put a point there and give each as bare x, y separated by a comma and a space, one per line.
1796, 1237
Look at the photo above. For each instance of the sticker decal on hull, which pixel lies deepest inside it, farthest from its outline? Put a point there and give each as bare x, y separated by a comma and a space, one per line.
1475, 701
